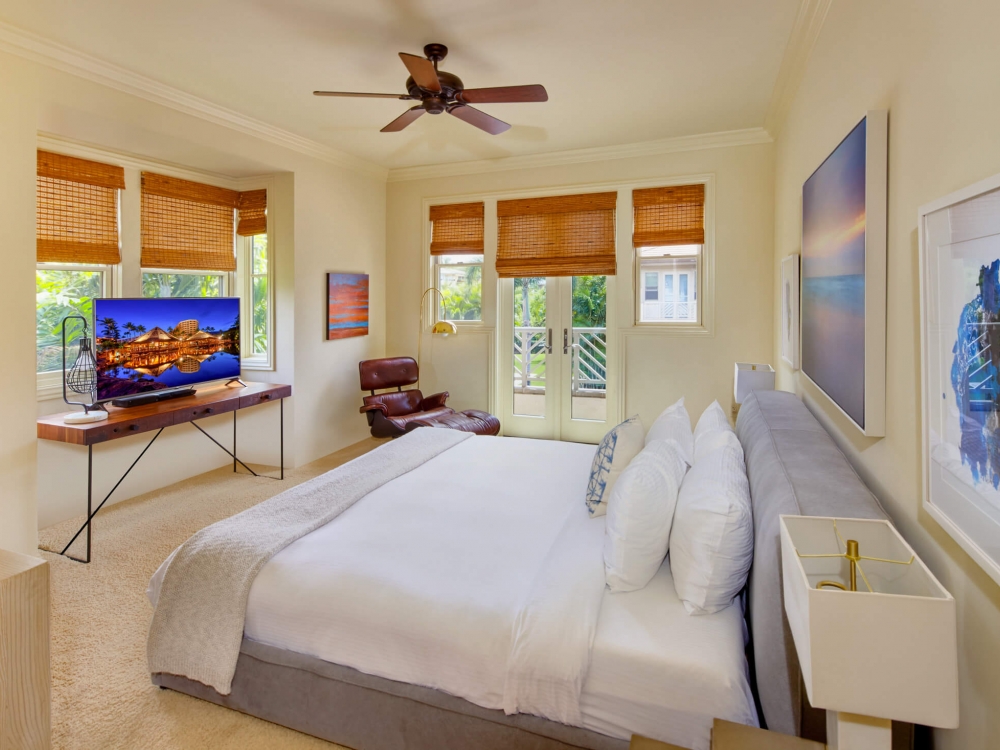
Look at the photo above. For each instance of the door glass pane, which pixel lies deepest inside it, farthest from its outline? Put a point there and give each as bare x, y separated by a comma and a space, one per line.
652, 292
529, 347
589, 339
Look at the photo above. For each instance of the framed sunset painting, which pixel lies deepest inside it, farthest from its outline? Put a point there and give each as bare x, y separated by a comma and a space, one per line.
346, 305
843, 275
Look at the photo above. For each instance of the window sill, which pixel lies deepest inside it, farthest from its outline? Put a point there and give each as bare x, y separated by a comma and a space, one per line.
667, 329
49, 393
256, 364
466, 326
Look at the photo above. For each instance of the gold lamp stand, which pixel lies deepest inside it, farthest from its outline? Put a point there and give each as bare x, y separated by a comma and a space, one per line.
854, 557
441, 328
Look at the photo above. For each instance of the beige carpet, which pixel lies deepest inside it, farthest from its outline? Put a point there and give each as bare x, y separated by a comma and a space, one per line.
101, 693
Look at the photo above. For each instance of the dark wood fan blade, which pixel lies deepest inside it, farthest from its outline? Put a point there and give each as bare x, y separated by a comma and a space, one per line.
366, 96
403, 120
481, 120
422, 71
505, 94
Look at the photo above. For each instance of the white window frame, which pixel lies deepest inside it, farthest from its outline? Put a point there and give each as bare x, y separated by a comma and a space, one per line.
696, 293
49, 384
436, 267
244, 282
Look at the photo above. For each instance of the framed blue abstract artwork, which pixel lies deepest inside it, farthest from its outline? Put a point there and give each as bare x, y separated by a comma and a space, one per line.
843, 275
960, 329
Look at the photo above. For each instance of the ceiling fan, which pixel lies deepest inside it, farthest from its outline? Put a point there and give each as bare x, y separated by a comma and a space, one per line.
438, 91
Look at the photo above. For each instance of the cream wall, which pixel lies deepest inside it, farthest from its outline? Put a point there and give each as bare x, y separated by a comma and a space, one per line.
325, 217
933, 65
17, 216
659, 368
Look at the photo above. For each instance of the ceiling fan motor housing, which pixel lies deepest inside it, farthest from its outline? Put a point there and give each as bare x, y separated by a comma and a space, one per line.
437, 102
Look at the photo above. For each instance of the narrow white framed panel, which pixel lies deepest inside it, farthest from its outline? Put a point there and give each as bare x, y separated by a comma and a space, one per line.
843, 275
790, 310
960, 383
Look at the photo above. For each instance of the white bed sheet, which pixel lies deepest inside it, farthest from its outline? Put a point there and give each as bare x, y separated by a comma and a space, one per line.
419, 582
655, 670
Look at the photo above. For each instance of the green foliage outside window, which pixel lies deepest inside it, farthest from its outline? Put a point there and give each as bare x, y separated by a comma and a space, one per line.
181, 285
461, 290
60, 293
259, 290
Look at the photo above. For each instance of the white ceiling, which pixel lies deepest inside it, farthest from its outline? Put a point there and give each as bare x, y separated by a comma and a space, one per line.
616, 72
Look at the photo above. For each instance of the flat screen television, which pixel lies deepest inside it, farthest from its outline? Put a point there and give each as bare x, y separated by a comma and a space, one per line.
146, 345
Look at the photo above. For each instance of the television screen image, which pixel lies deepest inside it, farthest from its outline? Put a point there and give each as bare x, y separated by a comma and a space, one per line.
146, 345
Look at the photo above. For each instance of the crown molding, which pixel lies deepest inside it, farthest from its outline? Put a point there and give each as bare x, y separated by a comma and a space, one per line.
805, 32
747, 137
37, 49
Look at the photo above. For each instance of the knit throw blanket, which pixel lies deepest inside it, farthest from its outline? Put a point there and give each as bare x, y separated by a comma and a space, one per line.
197, 626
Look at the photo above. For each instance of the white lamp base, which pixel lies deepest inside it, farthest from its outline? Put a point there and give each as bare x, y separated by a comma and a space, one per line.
855, 732
86, 417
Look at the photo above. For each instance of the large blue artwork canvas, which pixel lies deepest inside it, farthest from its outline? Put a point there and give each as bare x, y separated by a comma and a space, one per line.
833, 275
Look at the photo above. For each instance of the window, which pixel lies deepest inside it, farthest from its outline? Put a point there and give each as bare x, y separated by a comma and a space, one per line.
457, 254
652, 288
62, 290
677, 266
669, 238
460, 279
161, 283
258, 318
77, 244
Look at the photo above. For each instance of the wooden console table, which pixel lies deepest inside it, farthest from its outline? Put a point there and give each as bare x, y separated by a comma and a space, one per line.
158, 416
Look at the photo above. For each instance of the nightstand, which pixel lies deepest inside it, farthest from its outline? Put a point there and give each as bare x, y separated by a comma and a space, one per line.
729, 736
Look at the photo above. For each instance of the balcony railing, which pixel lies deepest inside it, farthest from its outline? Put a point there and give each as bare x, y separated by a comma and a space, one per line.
669, 311
590, 356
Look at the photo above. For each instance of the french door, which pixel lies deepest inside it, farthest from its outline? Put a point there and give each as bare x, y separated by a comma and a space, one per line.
554, 359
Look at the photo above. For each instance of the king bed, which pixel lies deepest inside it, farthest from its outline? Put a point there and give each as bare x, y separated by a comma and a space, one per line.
458, 600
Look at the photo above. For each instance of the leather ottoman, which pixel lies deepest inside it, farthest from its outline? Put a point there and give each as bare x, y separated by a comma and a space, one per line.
470, 420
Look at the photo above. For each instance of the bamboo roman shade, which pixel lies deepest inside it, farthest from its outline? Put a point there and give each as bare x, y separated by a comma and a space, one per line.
669, 216
253, 213
458, 229
77, 210
187, 225
571, 235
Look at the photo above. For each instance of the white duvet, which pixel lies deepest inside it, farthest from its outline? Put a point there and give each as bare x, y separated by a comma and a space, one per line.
481, 574
474, 574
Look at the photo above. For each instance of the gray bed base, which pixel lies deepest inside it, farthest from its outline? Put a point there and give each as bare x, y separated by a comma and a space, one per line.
365, 712
794, 467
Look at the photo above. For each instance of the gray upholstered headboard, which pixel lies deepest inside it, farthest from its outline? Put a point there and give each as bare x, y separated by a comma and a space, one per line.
794, 468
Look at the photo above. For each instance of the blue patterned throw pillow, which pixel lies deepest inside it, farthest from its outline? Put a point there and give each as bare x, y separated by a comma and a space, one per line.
619, 446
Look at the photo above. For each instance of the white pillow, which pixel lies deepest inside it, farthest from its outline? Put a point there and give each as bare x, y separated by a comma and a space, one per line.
711, 542
674, 423
712, 431
619, 446
640, 512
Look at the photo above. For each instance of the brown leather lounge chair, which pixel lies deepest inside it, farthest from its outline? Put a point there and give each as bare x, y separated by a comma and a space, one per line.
398, 412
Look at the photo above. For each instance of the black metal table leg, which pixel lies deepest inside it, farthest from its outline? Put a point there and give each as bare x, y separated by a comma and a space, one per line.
91, 511
234, 440
282, 458
90, 495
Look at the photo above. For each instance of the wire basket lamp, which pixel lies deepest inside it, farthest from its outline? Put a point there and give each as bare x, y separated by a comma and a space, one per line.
81, 377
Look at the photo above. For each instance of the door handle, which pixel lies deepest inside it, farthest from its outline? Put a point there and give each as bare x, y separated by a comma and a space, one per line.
548, 340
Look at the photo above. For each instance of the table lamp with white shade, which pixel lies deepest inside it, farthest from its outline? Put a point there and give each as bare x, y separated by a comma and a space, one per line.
751, 377
886, 650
